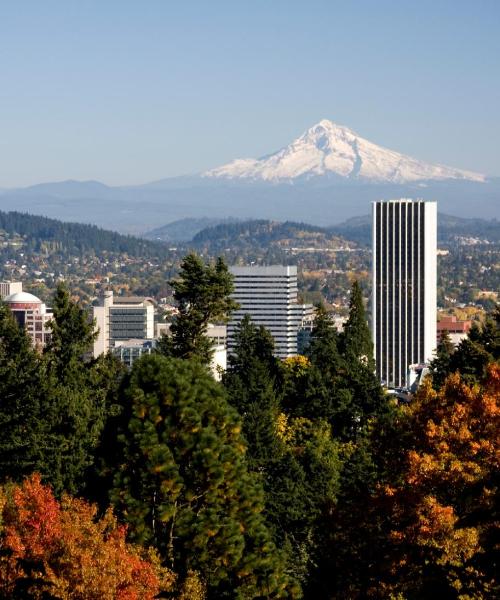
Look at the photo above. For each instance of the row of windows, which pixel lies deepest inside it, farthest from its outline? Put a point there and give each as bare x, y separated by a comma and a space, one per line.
399, 288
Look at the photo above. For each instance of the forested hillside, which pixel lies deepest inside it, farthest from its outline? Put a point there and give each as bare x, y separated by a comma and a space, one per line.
41, 232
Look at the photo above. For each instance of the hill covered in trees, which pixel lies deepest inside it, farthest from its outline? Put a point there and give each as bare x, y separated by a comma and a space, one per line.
450, 229
40, 233
263, 233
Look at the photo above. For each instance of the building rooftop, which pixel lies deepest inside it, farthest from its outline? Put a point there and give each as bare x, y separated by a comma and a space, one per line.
22, 297
131, 300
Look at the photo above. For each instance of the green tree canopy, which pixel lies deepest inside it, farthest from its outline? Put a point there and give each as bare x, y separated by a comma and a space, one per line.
356, 340
21, 393
440, 365
251, 381
73, 334
52, 406
203, 294
182, 483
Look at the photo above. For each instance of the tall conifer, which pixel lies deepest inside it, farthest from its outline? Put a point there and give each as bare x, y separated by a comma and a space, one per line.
203, 294
356, 341
182, 484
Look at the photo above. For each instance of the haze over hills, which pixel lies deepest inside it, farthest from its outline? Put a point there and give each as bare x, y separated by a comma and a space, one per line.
325, 176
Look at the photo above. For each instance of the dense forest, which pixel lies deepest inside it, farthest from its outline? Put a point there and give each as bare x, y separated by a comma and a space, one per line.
42, 233
288, 479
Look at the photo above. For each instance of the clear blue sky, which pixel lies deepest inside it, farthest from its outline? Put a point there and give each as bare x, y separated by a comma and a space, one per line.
131, 91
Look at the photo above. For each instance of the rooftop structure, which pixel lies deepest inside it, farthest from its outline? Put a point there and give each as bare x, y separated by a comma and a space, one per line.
457, 330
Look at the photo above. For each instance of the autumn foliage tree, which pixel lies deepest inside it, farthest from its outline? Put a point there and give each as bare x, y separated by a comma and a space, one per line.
62, 550
443, 508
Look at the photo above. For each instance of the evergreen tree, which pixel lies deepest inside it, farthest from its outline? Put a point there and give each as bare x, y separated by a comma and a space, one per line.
323, 350
250, 381
72, 336
21, 387
368, 399
76, 397
202, 293
182, 484
356, 340
440, 365
473, 355
471, 359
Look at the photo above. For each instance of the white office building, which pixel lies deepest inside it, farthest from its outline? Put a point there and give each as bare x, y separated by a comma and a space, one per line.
404, 286
121, 318
269, 296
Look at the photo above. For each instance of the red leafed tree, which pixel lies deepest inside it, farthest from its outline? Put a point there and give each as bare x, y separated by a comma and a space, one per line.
62, 550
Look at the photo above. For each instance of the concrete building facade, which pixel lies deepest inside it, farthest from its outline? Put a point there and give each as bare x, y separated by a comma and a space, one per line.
269, 296
404, 279
121, 318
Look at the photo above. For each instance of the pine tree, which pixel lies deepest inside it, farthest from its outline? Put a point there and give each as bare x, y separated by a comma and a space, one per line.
76, 397
182, 484
355, 341
251, 381
21, 388
472, 355
323, 350
440, 365
202, 293
72, 336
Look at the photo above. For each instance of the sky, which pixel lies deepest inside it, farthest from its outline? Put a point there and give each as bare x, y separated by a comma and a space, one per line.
126, 92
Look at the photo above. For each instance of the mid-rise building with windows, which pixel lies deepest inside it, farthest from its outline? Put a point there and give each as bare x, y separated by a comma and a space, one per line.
268, 295
120, 318
404, 268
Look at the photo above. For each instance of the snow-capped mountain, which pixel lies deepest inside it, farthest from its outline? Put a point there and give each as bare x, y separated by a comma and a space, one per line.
328, 149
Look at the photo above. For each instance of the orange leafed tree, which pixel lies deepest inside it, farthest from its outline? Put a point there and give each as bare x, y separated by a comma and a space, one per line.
442, 512
62, 550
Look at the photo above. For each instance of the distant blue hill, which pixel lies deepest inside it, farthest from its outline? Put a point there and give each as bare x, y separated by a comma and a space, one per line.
143, 208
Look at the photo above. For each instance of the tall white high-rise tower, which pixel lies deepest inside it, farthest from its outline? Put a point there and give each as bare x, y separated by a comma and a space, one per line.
404, 266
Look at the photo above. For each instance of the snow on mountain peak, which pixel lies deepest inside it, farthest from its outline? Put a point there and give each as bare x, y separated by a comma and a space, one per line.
327, 149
